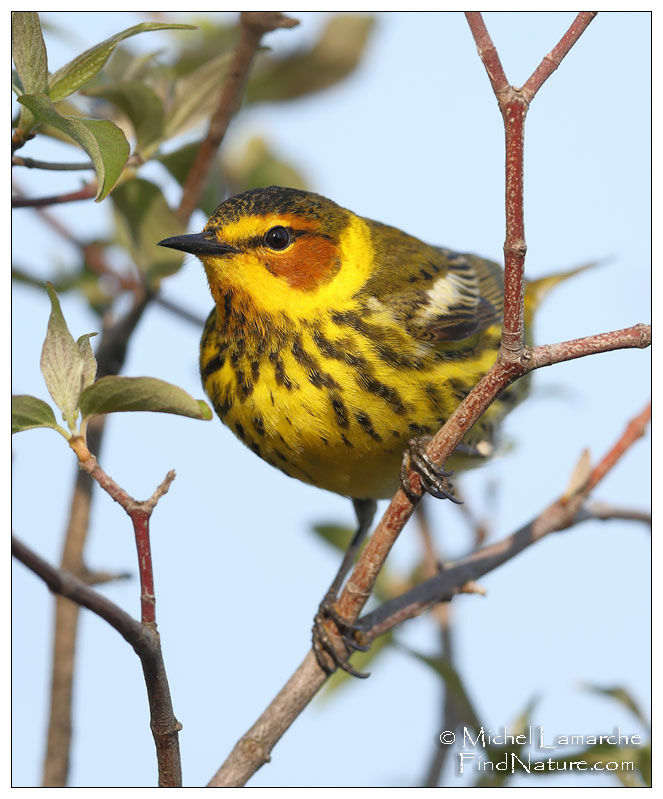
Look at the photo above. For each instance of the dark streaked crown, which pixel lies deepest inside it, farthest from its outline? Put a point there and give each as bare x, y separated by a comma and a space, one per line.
280, 200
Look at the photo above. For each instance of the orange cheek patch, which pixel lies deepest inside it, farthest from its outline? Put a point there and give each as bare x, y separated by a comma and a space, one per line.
310, 262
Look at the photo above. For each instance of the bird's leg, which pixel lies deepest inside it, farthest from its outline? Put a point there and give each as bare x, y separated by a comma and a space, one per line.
323, 645
434, 479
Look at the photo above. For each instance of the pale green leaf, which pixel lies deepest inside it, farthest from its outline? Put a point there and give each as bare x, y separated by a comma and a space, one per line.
335, 55
29, 412
29, 51
120, 394
196, 95
89, 362
622, 696
61, 363
85, 66
144, 218
101, 139
29, 54
139, 103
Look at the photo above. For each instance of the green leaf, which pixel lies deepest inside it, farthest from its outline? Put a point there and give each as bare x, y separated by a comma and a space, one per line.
119, 394
65, 364
101, 139
139, 103
84, 67
144, 218
29, 412
454, 684
334, 56
29, 54
196, 95
622, 696
339, 536
29, 51
89, 362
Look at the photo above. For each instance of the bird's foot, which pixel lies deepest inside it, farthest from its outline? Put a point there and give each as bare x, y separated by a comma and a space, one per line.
329, 654
433, 478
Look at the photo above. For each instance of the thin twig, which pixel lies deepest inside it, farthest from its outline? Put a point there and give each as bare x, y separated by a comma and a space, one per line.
33, 163
253, 26
555, 56
86, 193
138, 512
562, 514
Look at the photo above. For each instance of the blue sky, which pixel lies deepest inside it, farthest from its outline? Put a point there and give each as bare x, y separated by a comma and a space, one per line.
413, 139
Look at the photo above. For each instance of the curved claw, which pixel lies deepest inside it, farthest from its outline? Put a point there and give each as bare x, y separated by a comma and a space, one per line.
434, 479
323, 645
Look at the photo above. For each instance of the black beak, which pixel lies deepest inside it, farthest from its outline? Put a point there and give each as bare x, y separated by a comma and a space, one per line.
198, 244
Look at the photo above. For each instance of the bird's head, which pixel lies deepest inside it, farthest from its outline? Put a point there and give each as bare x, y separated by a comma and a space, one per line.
277, 246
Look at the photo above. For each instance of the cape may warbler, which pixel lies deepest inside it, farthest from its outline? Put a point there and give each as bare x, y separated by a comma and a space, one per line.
335, 340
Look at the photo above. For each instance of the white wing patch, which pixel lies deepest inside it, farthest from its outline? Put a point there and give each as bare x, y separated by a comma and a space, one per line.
453, 293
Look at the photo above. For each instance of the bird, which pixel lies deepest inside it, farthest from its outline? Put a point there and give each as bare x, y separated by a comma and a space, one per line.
337, 344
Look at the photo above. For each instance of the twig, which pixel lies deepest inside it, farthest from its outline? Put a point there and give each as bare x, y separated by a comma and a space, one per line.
145, 642
513, 104
254, 25
565, 512
138, 512
33, 163
604, 511
86, 193
555, 56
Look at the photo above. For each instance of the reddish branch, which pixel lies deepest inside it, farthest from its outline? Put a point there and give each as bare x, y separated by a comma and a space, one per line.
513, 104
514, 360
143, 636
139, 513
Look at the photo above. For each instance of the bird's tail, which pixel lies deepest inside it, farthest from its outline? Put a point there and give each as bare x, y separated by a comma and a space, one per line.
536, 290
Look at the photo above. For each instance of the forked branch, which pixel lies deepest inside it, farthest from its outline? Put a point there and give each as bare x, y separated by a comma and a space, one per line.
514, 360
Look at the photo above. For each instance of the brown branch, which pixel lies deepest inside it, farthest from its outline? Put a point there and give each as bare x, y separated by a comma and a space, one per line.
58, 741
604, 511
254, 24
565, 512
86, 193
145, 642
635, 430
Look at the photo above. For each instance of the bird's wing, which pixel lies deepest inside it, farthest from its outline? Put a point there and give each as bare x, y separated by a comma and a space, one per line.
436, 294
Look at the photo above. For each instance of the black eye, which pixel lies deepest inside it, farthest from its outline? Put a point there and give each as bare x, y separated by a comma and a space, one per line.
277, 238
